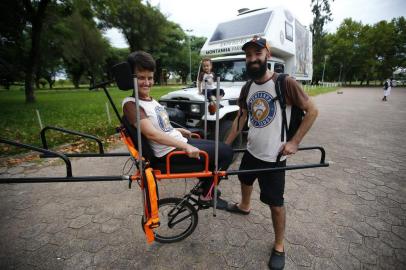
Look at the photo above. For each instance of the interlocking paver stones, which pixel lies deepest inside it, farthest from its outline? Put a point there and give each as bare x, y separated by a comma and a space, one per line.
349, 234
120, 237
79, 261
80, 221
95, 244
365, 229
323, 264
37, 242
89, 231
33, 230
353, 211
106, 255
300, 255
102, 217
378, 246
111, 225
366, 195
363, 254
399, 231
401, 255
378, 223
392, 239
236, 237
235, 256
74, 212
68, 249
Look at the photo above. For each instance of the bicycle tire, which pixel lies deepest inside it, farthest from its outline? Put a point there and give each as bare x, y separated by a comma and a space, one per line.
176, 228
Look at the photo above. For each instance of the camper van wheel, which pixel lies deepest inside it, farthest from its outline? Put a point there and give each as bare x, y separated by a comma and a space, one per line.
178, 219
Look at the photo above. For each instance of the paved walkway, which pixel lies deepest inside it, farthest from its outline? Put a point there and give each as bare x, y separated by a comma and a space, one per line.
351, 215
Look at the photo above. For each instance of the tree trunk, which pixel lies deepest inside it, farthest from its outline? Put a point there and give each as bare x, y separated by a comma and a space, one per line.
36, 18
29, 89
76, 81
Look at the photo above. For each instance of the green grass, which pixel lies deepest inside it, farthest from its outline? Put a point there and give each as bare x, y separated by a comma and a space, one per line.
319, 90
79, 110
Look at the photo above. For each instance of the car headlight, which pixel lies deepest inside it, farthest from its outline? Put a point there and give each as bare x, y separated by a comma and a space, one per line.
195, 108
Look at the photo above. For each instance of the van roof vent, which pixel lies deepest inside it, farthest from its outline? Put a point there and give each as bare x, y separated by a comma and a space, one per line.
243, 10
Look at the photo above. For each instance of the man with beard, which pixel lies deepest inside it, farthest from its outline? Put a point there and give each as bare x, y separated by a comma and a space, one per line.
264, 138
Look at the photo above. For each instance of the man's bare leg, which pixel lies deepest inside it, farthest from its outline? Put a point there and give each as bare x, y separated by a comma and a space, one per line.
246, 192
279, 221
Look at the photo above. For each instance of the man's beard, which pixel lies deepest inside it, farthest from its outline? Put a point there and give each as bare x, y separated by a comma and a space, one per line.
256, 73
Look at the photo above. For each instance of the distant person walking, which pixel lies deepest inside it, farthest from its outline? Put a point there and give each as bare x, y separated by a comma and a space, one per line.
387, 87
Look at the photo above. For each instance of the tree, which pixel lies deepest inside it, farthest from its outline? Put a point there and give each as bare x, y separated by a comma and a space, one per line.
86, 50
400, 41
146, 28
345, 49
322, 15
35, 12
12, 42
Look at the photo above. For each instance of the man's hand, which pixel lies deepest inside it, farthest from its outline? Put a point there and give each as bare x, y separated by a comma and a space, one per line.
289, 148
192, 151
185, 133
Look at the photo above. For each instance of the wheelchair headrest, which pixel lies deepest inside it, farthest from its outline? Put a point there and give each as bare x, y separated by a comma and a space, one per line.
123, 75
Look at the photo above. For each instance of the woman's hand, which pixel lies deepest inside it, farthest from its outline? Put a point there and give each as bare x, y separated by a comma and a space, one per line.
192, 151
185, 133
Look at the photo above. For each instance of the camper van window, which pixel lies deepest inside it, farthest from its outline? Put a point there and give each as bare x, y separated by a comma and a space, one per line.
243, 27
289, 31
279, 68
230, 71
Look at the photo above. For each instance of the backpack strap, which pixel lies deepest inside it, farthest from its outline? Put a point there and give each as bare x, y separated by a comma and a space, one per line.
243, 97
280, 93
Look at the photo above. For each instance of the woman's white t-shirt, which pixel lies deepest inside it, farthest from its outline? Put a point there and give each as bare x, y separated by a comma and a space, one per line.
159, 118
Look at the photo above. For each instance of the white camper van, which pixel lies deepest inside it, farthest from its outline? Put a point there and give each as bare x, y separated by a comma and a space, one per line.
291, 48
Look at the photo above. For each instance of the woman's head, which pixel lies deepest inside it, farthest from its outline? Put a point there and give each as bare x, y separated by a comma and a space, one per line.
141, 60
143, 66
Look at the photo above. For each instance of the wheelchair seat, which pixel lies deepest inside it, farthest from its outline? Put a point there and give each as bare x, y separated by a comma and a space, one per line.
158, 163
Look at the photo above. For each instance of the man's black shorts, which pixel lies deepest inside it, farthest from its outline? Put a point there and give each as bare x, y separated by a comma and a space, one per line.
271, 184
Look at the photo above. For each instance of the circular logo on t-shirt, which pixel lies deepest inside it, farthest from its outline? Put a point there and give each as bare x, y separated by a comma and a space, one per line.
163, 119
262, 109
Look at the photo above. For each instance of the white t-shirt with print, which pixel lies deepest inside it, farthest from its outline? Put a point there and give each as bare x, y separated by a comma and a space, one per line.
265, 121
159, 118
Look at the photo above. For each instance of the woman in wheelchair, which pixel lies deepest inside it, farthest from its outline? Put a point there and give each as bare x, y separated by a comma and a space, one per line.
163, 138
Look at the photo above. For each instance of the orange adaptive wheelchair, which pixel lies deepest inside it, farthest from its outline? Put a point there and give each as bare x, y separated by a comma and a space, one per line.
177, 217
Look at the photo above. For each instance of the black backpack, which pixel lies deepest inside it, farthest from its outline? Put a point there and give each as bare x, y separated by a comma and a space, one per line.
385, 85
297, 113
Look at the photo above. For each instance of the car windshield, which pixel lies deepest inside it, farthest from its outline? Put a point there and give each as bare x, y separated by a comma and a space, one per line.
230, 71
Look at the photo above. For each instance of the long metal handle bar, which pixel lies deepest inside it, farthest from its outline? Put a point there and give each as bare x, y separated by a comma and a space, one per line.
289, 167
41, 150
301, 148
205, 109
216, 145
63, 179
103, 86
121, 154
112, 104
45, 144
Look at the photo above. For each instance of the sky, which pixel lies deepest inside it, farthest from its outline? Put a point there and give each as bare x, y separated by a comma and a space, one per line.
202, 16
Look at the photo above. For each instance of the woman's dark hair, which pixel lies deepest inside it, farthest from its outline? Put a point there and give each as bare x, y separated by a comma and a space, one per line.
140, 60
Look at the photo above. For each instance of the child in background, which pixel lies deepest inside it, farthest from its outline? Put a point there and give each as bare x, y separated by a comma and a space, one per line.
208, 79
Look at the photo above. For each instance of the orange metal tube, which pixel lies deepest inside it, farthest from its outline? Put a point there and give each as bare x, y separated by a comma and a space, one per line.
171, 154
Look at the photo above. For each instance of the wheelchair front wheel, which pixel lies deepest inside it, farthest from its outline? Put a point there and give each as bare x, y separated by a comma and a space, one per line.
178, 219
